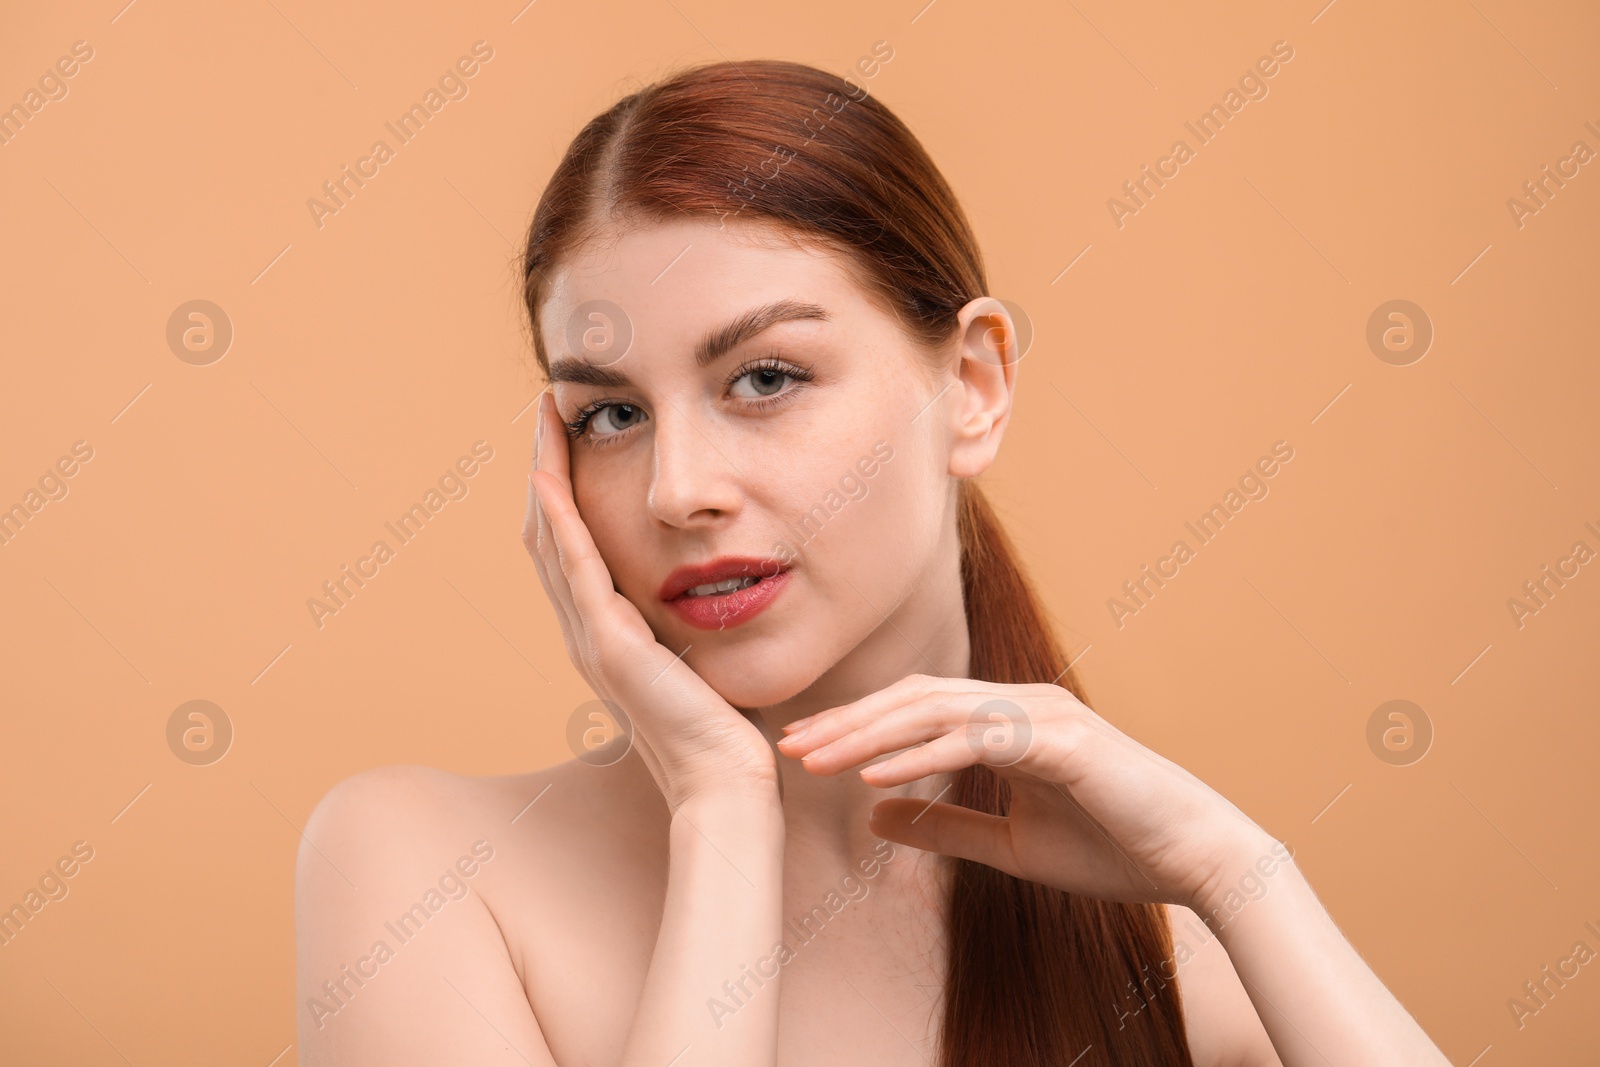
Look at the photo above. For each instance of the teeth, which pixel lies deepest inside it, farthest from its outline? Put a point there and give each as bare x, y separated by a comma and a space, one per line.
727, 585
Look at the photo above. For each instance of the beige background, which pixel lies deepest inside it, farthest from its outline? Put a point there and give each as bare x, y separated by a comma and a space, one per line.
1229, 313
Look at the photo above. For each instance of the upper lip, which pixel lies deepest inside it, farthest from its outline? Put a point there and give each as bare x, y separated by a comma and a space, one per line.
690, 575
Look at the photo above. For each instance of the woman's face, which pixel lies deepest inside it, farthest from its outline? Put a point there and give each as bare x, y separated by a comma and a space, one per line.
808, 444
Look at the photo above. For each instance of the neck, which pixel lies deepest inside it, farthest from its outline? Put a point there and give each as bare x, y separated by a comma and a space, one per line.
826, 816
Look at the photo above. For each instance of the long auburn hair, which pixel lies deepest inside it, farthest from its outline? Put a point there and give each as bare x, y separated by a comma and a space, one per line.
1037, 976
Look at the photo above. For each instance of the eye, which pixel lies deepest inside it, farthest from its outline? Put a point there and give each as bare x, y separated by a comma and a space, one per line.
766, 378
605, 419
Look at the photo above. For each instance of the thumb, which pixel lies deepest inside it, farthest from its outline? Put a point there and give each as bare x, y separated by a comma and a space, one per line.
949, 829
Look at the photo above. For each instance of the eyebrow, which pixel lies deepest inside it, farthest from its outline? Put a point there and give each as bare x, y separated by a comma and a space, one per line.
716, 343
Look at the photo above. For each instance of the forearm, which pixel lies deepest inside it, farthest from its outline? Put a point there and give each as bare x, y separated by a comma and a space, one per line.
723, 912
1319, 1001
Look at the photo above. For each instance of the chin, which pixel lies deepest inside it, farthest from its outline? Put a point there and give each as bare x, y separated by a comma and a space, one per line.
754, 680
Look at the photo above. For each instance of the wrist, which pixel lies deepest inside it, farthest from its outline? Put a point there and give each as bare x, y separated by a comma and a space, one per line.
730, 804
1247, 868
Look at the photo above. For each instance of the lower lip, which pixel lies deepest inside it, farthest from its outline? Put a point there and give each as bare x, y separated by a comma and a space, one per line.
725, 610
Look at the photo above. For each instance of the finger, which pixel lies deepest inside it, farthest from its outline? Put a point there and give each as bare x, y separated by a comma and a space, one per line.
537, 536
838, 745
949, 829
835, 722
1040, 753
577, 559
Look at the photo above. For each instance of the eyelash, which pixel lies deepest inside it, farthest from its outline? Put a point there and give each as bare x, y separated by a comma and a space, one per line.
579, 422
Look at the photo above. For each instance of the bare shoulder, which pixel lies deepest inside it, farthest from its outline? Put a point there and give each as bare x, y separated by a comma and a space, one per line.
1220, 1020
398, 955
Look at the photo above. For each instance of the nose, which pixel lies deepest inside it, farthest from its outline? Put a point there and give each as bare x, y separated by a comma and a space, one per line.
694, 481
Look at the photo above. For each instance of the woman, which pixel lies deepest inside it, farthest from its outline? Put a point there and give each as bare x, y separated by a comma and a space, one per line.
858, 812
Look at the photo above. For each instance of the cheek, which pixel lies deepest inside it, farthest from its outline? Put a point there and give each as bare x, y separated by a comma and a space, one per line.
613, 527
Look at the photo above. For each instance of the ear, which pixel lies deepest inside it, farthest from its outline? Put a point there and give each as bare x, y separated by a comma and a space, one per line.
986, 372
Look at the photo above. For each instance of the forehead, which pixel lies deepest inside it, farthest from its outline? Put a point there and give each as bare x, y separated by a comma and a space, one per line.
673, 280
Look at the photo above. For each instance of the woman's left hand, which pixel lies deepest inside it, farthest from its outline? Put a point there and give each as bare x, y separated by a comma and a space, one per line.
1092, 811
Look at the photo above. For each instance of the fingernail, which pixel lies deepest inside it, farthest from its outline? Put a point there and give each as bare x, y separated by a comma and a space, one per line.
538, 430
799, 724
797, 735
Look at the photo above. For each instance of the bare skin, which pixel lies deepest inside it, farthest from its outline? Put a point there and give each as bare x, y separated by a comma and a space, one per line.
565, 916
592, 915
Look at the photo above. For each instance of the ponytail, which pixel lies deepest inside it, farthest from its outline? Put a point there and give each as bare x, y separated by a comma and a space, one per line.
1038, 976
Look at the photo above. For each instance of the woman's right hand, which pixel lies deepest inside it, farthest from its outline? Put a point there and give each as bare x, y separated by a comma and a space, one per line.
693, 741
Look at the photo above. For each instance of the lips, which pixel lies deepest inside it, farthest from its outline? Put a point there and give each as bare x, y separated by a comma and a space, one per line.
724, 610
721, 569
